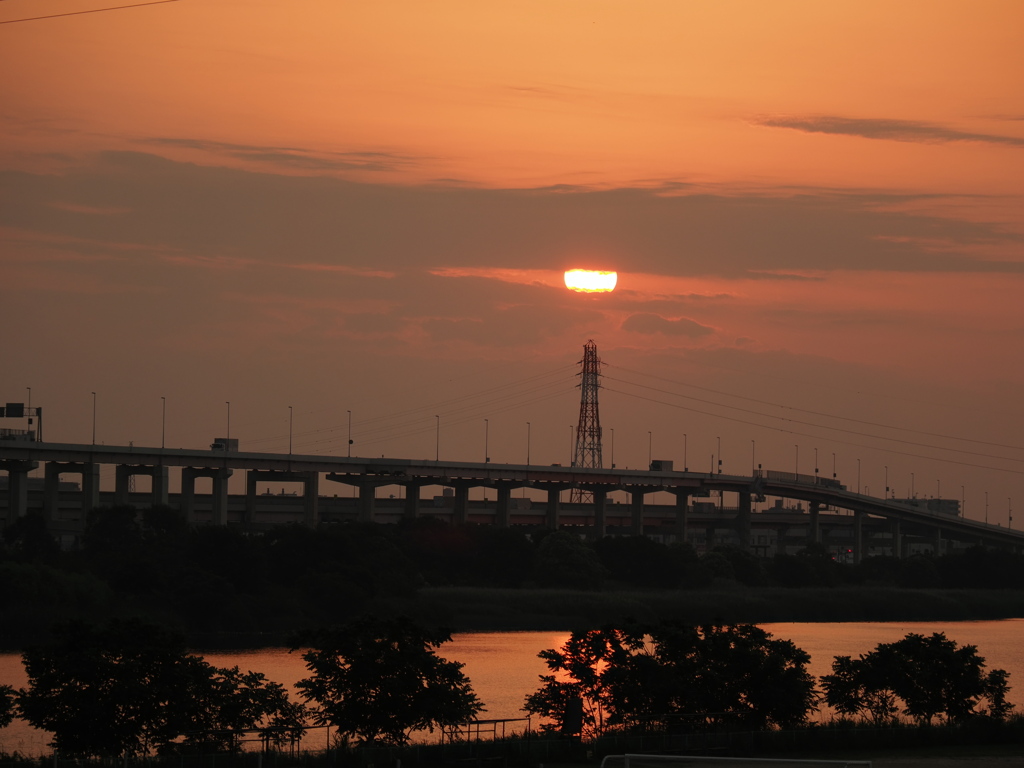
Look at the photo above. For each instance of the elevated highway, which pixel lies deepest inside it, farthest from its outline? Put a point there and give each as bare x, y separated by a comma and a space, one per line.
366, 476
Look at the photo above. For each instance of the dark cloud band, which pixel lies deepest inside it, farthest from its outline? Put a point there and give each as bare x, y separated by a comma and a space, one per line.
885, 129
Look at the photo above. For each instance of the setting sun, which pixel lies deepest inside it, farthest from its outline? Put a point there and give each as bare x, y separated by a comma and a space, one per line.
590, 281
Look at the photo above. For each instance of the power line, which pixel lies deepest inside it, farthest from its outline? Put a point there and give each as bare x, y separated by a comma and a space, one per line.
819, 437
818, 426
93, 10
819, 413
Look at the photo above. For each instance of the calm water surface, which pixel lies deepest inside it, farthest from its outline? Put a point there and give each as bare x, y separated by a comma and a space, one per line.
503, 666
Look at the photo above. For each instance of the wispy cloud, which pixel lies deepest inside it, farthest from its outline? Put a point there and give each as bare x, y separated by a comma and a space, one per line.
295, 158
646, 322
544, 277
886, 129
342, 269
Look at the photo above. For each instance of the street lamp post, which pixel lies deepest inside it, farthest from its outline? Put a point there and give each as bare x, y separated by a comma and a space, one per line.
290, 421
719, 454
753, 457
612, 430
437, 438
349, 434
833, 465
815, 463
487, 427
528, 444
913, 495
796, 465
650, 448
986, 507
886, 481
963, 502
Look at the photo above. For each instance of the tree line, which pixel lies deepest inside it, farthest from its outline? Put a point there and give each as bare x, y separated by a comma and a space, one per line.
212, 579
131, 688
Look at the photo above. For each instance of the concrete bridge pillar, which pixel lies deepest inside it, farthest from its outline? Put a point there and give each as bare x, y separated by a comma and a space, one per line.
122, 479
814, 532
938, 541
461, 509
367, 499
122, 482
17, 487
743, 521
90, 488
411, 508
252, 477
161, 482
502, 515
636, 512
89, 496
897, 539
682, 515
858, 536
553, 508
600, 513
188, 494
51, 492
219, 497
310, 499
709, 536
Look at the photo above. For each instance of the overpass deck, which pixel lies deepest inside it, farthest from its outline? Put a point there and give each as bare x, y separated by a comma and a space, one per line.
368, 474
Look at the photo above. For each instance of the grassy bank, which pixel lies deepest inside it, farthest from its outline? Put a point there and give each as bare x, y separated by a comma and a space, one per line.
475, 609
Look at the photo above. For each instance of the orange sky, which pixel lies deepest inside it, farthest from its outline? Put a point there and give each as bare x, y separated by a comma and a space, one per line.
351, 205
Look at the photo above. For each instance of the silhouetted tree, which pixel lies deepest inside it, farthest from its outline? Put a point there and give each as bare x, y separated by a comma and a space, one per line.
638, 561
444, 553
863, 686
28, 538
879, 570
713, 674
746, 566
717, 565
919, 572
231, 701
565, 561
7, 707
578, 671
504, 557
379, 679
791, 571
130, 688
982, 568
931, 676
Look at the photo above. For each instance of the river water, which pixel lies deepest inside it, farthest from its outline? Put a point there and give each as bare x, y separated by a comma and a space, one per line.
503, 666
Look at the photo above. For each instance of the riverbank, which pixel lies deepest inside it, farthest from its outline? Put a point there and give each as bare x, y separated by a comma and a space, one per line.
477, 609
472, 609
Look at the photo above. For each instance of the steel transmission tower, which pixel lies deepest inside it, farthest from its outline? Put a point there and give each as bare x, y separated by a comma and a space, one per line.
588, 429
